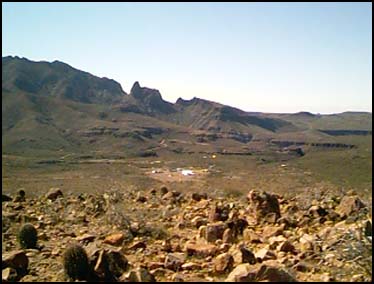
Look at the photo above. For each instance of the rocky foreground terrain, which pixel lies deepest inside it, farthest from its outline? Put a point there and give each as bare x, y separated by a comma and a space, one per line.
164, 235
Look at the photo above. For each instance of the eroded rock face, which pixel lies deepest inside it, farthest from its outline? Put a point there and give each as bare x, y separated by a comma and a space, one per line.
265, 206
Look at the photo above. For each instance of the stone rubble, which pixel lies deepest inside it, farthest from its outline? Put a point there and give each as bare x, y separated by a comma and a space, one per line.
163, 235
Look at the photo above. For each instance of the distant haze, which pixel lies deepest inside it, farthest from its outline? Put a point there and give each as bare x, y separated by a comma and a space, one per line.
265, 57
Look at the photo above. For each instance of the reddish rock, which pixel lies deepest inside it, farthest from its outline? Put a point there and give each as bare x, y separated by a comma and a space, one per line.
114, 239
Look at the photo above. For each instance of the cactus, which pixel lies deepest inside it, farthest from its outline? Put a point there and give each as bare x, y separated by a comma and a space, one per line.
27, 236
76, 262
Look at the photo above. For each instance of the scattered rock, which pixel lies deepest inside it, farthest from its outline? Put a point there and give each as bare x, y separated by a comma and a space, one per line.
200, 250
164, 190
244, 255
286, 247
198, 221
215, 231
368, 230
141, 198
265, 254
114, 239
21, 196
174, 261
317, 211
264, 205
142, 275
16, 260
9, 274
191, 266
349, 205
241, 273
54, 193
86, 238
219, 213
177, 277
271, 231
138, 245
5, 198
251, 236
274, 274
228, 236
198, 196
223, 263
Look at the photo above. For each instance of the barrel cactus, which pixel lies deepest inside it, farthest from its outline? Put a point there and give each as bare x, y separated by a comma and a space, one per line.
27, 236
76, 262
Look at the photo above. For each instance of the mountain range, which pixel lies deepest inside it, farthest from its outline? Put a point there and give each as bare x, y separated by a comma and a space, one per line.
51, 107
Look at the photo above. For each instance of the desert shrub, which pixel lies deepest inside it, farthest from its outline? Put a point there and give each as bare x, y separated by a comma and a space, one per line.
76, 262
27, 236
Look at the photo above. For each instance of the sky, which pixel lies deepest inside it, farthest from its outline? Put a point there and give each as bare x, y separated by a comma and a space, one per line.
268, 57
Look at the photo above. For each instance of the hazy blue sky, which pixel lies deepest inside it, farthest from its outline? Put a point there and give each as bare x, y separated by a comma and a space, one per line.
269, 57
